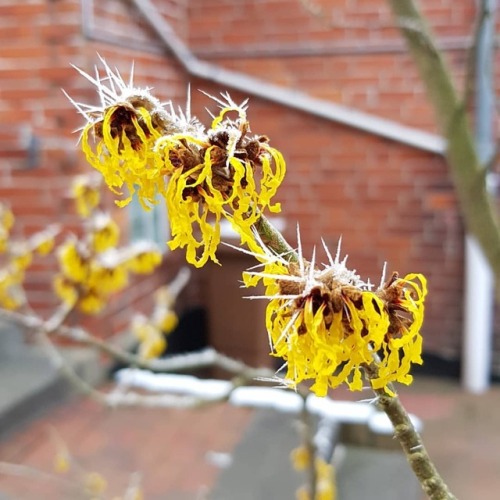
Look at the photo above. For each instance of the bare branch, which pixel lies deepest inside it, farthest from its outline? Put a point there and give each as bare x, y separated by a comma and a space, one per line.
208, 357
308, 443
24, 471
466, 168
273, 239
411, 442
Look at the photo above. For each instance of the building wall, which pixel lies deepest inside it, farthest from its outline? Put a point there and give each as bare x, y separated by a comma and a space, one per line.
345, 51
389, 202
39, 40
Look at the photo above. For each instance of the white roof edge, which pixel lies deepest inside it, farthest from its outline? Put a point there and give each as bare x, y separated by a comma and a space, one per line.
382, 127
389, 129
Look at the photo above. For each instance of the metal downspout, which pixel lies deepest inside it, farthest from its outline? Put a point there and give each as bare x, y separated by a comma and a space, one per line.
479, 282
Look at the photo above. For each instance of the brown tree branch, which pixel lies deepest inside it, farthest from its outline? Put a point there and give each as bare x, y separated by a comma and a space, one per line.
451, 115
411, 442
273, 239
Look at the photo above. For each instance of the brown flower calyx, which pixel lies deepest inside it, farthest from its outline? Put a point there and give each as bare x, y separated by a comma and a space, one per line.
124, 120
392, 294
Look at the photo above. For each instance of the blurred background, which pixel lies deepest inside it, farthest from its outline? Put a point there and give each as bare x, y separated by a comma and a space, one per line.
332, 85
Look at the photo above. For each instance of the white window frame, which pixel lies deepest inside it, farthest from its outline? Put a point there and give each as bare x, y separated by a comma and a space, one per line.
150, 225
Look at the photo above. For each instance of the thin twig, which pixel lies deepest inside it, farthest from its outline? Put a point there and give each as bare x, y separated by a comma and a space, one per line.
309, 445
24, 471
44, 331
274, 240
411, 442
204, 358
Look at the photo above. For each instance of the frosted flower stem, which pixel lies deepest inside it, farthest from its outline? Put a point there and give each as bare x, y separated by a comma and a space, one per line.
274, 240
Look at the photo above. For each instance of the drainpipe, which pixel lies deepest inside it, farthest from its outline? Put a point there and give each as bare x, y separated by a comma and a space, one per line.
479, 282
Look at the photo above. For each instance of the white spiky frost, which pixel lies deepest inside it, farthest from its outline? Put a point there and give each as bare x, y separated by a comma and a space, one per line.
231, 128
309, 276
113, 89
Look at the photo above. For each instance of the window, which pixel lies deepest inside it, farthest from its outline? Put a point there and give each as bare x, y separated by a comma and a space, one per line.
149, 225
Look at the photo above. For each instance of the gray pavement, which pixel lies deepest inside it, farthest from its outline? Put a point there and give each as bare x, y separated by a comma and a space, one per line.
29, 383
261, 469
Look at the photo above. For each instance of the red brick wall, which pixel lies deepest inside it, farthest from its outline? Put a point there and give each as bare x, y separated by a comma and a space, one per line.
350, 53
389, 201
39, 41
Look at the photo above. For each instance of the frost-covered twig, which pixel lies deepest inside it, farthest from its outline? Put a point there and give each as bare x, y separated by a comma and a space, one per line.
26, 472
204, 358
43, 337
282, 400
411, 442
307, 431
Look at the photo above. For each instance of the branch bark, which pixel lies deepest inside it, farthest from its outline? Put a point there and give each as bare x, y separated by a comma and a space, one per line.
410, 440
451, 113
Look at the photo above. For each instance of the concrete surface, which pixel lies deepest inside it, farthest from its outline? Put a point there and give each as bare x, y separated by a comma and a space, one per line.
172, 447
261, 468
29, 381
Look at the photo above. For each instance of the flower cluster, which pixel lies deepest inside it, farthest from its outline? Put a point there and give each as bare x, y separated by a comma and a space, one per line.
92, 267
327, 324
16, 256
204, 175
151, 332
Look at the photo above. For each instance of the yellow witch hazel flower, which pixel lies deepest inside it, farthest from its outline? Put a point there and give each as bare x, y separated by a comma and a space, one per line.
16, 256
88, 277
91, 268
6, 223
120, 133
152, 332
325, 475
227, 174
152, 341
143, 257
103, 231
222, 172
86, 192
326, 323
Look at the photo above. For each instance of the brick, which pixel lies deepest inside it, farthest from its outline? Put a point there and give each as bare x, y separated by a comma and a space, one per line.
389, 200
23, 10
